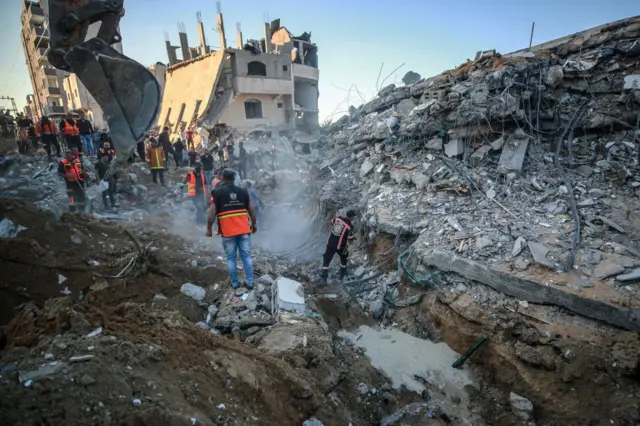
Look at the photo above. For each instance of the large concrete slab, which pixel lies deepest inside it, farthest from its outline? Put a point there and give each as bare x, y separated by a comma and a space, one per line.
513, 154
597, 305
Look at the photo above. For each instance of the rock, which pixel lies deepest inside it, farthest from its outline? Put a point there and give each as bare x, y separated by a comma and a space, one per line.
479, 155
596, 193
497, 144
554, 76
290, 295
585, 171
194, 263
434, 144
539, 253
203, 325
607, 268
362, 388
359, 271
405, 106
376, 307
213, 310
312, 422
518, 246
483, 242
630, 276
586, 203
266, 280
521, 264
366, 167
420, 180
87, 380
592, 257
193, 291
491, 193
8, 229
76, 239
521, 407
461, 288
454, 148
260, 288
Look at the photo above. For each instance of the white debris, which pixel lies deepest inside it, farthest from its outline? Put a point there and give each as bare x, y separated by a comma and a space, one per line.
61, 278
95, 332
221, 407
137, 402
193, 291
289, 295
66, 291
8, 229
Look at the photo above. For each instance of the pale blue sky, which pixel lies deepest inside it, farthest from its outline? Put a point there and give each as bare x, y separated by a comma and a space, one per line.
354, 37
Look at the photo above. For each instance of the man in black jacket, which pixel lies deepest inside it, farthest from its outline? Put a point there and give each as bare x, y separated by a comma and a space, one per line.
165, 143
178, 147
86, 130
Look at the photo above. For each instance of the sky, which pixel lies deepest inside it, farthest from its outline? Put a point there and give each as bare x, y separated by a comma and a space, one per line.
362, 44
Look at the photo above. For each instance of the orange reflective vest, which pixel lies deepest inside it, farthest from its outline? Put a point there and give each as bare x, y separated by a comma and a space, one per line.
109, 152
232, 208
191, 184
156, 158
46, 128
73, 170
70, 128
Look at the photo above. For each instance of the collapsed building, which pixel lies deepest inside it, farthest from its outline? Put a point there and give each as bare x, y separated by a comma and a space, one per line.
267, 85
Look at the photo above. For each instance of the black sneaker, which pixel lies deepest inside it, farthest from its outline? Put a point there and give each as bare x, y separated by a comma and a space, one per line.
247, 286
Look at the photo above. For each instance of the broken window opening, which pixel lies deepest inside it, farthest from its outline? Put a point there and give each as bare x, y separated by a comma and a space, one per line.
256, 68
179, 120
252, 108
194, 117
285, 68
280, 104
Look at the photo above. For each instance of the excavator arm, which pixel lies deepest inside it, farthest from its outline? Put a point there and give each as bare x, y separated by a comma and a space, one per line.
127, 92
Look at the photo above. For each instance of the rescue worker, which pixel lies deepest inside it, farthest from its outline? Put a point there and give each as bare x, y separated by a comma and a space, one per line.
207, 166
156, 161
165, 144
232, 208
85, 130
102, 167
110, 153
242, 161
70, 168
178, 147
341, 234
47, 131
197, 191
69, 128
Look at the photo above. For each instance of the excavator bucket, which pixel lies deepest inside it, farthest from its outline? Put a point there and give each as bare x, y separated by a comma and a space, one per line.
127, 92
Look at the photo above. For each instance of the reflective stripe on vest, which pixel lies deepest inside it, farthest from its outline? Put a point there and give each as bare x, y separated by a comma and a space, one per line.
71, 171
233, 223
191, 185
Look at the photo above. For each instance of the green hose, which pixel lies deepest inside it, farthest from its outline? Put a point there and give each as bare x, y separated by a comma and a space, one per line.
460, 362
423, 282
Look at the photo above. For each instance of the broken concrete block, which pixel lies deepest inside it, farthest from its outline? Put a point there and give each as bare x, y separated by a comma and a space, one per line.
554, 76
289, 295
497, 144
400, 175
630, 276
513, 154
518, 246
479, 155
539, 253
435, 144
454, 148
521, 407
420, 180
405, 106
632, 82
607, 268
483, 242
193, 291
366, 167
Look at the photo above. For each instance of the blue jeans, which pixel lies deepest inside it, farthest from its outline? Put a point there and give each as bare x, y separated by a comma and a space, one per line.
242, 244
87, 144
208, 176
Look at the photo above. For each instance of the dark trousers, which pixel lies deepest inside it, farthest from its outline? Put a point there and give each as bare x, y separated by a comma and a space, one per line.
73, 141
110, 193
328, 256
200, 205
242, 169
178, 158
51, 140
76, 195
158, 172
142, 156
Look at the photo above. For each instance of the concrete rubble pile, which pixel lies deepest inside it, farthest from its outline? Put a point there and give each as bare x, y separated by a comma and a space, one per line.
491, 167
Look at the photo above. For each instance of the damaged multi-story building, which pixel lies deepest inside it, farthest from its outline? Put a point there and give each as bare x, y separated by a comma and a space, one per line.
267, 85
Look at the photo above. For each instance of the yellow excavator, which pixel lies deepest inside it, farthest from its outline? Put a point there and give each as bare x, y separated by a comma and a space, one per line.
127, 92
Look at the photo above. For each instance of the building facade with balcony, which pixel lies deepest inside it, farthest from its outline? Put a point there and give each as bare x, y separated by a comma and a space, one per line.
55, 92
259, 86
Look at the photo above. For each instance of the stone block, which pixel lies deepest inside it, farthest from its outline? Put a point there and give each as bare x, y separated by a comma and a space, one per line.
513, 154
479, 155
454, 148
435, 144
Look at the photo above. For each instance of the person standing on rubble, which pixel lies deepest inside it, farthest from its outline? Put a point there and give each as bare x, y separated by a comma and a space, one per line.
165, 144
46, 130
178, 147
102, 167
71, 169
197, 191
341, 234
141, 148
69, 128
207, 166
242, 161
85, 129
156, 161
24, 123
232, 207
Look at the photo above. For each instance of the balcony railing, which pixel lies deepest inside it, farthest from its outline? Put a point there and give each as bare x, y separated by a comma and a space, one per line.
40, 37
50, 110
54, 91
50, 72
305, 72
34, 13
